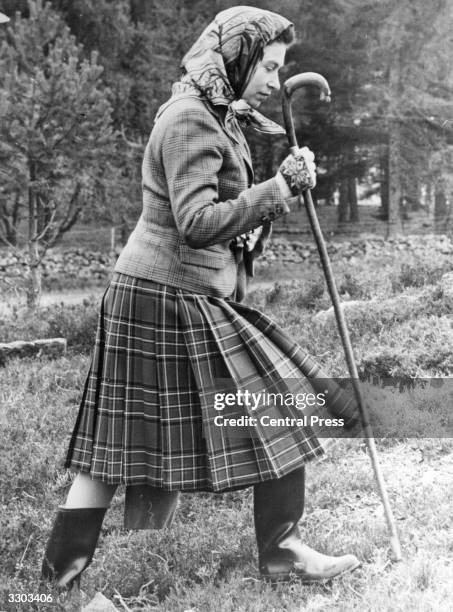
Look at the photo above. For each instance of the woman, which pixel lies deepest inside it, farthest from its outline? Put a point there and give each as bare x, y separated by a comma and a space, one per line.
172, 333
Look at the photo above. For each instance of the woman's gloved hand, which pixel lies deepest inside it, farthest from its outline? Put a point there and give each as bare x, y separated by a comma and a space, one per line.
248, 240
298, 171
251, 238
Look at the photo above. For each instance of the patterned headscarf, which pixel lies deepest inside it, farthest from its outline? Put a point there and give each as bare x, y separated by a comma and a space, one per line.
223, 59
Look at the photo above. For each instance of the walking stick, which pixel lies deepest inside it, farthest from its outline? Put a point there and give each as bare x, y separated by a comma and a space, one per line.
295, 82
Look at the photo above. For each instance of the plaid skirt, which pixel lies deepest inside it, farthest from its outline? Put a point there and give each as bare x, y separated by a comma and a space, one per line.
162, 356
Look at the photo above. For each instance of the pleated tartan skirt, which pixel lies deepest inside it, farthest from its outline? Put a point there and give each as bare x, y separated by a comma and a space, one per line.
147, 414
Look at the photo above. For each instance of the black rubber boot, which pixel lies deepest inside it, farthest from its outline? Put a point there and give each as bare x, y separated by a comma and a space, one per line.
71, 545
278, 506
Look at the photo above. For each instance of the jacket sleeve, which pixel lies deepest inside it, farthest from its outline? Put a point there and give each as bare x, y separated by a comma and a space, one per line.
192, 157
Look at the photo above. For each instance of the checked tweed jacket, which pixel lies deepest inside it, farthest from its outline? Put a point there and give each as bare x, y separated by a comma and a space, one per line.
197, 197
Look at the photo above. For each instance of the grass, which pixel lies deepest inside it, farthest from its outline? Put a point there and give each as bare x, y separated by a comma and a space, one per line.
207, 561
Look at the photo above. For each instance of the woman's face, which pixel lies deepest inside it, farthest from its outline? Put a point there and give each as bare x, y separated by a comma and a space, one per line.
265, 78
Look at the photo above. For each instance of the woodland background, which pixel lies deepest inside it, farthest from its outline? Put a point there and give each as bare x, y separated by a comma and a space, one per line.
81, 81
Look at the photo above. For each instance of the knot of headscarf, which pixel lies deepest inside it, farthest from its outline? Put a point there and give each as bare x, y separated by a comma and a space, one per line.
222, 61
241, 111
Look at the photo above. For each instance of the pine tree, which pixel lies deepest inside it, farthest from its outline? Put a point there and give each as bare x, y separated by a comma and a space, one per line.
409, 52
56, 134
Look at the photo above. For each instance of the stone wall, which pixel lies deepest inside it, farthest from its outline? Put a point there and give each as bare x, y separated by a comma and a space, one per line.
80, 265
76, 265
293, 251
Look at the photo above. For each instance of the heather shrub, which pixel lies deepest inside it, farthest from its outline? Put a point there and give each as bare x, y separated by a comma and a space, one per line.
354, 287
302, 294
405, 336
371, 318
422, 347
419, 273
76, 322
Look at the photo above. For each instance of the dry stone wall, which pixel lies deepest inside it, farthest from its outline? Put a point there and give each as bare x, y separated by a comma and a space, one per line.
95, 267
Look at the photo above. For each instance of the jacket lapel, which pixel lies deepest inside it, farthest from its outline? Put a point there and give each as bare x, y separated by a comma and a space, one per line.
237, 137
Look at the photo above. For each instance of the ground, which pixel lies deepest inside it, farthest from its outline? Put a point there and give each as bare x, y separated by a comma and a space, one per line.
207, 561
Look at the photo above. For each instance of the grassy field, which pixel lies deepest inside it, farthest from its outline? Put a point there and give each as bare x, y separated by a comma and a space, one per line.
207, 561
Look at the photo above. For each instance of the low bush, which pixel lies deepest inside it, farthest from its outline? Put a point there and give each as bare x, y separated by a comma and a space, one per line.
419, 273
354, 287
421, 347
299, 294
369, 318
76, 322
404, 336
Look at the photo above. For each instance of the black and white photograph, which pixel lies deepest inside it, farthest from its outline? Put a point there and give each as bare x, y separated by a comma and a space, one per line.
226, 305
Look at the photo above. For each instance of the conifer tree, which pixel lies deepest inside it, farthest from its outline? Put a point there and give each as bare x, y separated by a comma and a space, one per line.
55, 133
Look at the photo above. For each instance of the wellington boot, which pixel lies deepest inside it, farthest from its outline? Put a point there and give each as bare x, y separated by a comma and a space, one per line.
278, 506
71, 545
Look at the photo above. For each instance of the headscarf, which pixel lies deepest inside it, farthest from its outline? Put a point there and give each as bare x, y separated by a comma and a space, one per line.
222, 61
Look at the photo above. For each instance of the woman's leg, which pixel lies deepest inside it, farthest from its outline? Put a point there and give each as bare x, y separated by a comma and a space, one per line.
76, 531
88, 493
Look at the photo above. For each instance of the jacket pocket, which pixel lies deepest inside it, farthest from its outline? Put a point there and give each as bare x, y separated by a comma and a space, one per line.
205, 258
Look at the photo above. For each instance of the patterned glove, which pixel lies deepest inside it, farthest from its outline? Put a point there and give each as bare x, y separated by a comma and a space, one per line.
251, 238
299, 171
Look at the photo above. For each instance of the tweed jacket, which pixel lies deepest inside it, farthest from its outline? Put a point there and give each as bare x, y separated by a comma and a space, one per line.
197, 198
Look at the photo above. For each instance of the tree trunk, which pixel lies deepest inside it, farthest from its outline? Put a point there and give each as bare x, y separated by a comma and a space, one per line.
353, 201
330, 194
394, 226
414, 196
43, 215
384, 184
33, 289
440, 209
430, 199
343, 204
10, 219
8, 232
